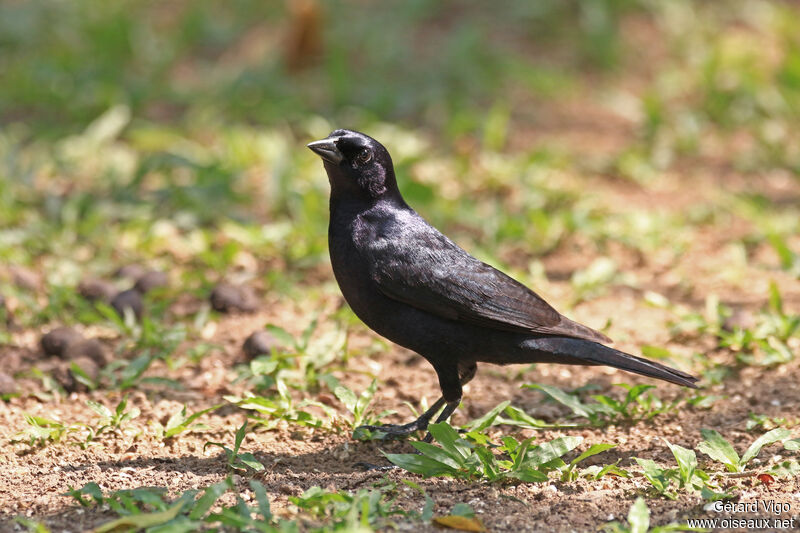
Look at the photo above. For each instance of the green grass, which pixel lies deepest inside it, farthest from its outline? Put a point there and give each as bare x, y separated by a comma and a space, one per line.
173, 136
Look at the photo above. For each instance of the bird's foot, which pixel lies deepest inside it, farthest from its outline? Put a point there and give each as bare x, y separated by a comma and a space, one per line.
393, 431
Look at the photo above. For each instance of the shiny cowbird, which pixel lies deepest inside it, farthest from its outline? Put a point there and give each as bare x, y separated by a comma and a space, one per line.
413, 285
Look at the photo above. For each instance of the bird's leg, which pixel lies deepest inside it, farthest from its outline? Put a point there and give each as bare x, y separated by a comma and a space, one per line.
466, 371
450, 399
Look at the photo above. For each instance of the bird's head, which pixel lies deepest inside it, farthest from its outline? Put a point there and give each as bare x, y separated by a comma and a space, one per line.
357, 165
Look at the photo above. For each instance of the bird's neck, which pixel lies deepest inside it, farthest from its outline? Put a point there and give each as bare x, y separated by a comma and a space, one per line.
348, 206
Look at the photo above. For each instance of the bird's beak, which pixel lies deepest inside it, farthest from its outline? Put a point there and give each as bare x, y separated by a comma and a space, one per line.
326, 149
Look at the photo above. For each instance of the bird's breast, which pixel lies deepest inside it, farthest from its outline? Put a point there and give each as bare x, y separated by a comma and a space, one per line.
349, 268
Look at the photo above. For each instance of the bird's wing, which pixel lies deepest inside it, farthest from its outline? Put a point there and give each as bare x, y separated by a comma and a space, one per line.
423, 268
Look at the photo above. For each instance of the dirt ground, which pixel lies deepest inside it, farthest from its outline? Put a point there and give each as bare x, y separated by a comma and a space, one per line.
35, 479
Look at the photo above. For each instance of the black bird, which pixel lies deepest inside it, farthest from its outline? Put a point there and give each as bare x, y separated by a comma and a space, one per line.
413, 285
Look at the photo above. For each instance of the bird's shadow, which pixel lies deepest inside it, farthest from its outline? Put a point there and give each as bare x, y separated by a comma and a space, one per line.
341, 461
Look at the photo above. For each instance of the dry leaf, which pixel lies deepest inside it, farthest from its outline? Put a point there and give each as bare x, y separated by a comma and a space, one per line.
766, 479
461, 523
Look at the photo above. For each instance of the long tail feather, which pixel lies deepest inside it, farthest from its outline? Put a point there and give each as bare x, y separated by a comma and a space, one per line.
581, 352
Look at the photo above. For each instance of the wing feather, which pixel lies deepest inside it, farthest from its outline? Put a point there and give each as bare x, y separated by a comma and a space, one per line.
425, 269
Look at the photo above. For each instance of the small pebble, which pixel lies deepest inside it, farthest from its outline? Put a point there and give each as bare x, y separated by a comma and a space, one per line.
130, 299
97, 290
91, 348
290, 490
25, 279
56, 341
150, 280
8, 385
226, 298
259, 343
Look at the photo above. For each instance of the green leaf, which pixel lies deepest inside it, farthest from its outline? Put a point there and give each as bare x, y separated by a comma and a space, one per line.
307, 332
419, 464
479, 424
687, 462
594, 449
90, 489
562, 397
529, 475
347, 397
281, 335
453, 460
180, 524
655, 352
240, 434
449, 439
491, 467
366, 397
209, 497
655, 475
176, 420
764, 440
792, 444
427, 509
546, 452
790, 469
775, 300
710, 495
611, 469
100, 409
462, 509
262, 367
636, 391
142, 520
639, 516
133, 370
179, 422
81, 376
719, 449
517, 451
250, 460
519, 418
261, 497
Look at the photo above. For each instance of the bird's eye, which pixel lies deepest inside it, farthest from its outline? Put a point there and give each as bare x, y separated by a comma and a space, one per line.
364, 156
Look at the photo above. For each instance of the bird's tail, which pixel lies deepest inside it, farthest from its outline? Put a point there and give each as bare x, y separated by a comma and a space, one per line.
580, 352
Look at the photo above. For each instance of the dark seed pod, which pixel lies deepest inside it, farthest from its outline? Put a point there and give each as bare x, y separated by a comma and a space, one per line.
150, 280
56, 341
227, 298
26, 279
130, 299
8, 385
91, 348
259, 343
97, 290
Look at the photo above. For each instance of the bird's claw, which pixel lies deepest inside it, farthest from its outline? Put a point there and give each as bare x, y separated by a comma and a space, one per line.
392, 431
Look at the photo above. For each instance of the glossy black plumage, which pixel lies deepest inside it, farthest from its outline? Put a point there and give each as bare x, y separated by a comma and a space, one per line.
413, 285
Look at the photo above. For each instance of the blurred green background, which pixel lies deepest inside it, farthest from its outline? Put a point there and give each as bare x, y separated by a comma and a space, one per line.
173, 132
421, 62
